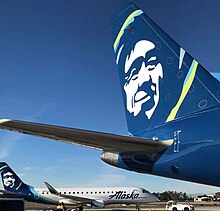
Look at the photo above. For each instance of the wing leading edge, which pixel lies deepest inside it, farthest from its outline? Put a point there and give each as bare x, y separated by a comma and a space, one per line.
91, 139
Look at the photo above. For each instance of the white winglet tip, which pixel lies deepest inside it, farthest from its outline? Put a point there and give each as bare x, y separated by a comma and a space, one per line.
2, 121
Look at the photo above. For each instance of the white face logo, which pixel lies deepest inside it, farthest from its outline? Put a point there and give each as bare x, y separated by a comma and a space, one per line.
8, 179
142, 74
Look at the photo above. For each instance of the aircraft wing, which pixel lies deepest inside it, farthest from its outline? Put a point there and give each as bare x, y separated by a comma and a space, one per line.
97, 140
76, 199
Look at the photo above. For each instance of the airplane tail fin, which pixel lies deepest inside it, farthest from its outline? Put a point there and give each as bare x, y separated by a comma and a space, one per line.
160, 81
11, 181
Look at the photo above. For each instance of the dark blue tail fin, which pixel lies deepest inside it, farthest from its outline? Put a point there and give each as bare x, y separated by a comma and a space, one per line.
160, 81
11, 181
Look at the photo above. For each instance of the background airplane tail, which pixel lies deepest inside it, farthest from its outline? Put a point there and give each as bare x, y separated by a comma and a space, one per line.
160, 81
11, 181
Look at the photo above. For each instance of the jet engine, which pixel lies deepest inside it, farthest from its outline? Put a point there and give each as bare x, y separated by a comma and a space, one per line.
98, 203
110, 158
132, 162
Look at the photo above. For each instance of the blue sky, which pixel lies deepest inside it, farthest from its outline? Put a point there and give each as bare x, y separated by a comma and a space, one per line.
57, 67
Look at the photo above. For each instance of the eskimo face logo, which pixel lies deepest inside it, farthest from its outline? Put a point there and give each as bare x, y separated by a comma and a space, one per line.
8, 180
142, 75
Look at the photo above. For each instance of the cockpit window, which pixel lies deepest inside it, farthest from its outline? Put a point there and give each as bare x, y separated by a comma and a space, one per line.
145, 191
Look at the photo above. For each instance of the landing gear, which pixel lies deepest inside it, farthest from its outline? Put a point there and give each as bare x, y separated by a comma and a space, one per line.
137, 207
79, 208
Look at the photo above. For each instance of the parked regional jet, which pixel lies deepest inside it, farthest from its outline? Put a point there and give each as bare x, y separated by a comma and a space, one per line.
95, 197
172, 106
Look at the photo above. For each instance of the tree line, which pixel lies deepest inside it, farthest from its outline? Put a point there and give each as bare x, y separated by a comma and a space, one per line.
173, 195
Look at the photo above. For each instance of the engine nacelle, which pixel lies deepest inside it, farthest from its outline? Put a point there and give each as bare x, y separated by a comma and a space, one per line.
98, 203
138, 163
65, 201
110, 158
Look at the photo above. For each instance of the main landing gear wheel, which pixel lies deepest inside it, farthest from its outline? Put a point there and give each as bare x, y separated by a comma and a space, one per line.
80, 208
137, 207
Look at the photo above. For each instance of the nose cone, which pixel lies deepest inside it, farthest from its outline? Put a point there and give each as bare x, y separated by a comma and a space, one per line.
153, 198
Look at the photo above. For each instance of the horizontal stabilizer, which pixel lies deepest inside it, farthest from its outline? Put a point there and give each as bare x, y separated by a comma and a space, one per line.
97, 140
9, 193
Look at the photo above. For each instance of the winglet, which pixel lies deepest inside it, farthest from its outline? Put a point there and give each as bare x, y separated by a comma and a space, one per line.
7, 192
4, 120
51, 188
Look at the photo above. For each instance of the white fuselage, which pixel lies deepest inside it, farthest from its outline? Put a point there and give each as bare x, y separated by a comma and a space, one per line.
107, 195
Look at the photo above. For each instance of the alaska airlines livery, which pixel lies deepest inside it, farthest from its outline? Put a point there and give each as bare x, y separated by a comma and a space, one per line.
95, 197
172, 107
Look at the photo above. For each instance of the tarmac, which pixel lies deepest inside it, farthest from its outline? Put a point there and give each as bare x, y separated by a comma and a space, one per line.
158, 206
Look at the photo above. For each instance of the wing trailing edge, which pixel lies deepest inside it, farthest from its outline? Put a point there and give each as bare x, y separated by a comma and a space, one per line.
91, 139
